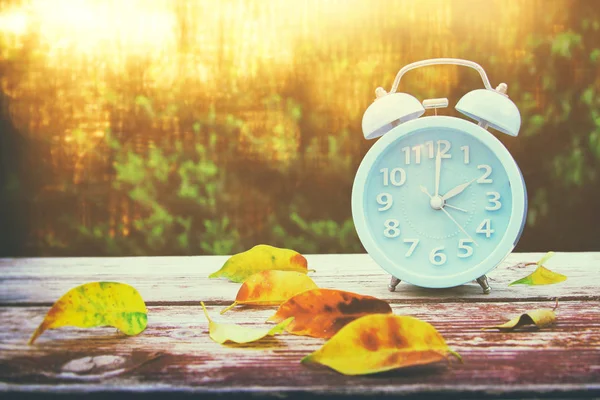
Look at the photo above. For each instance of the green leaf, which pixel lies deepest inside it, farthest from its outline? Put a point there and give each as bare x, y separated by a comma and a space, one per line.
541, 275
564, 42
588, 95
97, 304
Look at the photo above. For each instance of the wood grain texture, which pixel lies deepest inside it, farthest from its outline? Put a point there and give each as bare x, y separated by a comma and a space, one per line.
566, 354
174, 355
169, 280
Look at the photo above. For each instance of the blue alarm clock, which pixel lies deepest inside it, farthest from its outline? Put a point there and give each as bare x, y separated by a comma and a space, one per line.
438, 201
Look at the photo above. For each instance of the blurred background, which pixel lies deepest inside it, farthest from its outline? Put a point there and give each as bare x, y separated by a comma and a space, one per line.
180, 127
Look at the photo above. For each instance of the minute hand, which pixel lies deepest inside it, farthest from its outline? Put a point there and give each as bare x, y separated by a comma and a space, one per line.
457, 190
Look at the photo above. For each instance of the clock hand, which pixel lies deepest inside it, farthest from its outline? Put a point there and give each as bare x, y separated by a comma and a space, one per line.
457, 190
424, 190
438, 167
454, 207
461, 228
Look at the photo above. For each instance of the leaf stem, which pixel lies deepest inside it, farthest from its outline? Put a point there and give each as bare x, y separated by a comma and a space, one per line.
223, 311
205, 312
455, 354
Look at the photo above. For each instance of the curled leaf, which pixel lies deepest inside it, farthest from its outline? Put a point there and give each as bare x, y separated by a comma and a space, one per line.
323, 312
271, 288
540, 318
262, 257
541, 275
97, 304
222, 333
381, 342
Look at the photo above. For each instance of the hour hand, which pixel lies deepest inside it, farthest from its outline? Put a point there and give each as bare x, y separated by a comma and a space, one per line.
424, 190
457, 190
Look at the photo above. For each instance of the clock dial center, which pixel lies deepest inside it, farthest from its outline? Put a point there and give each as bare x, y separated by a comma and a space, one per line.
436, 202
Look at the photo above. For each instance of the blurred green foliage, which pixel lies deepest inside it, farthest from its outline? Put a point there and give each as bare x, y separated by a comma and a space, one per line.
237, 181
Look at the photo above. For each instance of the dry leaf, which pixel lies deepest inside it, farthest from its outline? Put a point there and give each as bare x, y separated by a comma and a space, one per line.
541, 275
262, 257
381, 342
222, 333
540, 318
97, 304
323, 312
270, 288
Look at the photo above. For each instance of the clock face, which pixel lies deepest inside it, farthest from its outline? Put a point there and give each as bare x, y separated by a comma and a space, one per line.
438, 202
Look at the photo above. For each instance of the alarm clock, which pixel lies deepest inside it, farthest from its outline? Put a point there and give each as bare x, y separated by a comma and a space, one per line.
439, 201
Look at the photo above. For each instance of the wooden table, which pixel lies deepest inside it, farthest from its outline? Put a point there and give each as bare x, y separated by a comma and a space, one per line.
175, 355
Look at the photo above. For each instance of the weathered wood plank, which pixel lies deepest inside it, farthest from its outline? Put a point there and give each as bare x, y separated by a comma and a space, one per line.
163, 280
563, 357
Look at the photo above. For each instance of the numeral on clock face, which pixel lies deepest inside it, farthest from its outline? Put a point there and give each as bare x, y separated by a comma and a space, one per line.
485, 228
495, 200
385, 200
444, 148
416, 151
463, 244
392, 228
485, 177
413, 246
396, 177
414, 154
465, 150
430, 149
436, 257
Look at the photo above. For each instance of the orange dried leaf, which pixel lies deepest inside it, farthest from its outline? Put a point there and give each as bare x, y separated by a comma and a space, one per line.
270, 288
381, 342
262, 257
323, 312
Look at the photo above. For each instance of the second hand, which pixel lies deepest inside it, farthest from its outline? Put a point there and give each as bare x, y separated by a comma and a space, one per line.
424, 190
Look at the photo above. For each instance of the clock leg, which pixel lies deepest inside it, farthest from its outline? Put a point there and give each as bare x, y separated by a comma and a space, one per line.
483, 282
393, 283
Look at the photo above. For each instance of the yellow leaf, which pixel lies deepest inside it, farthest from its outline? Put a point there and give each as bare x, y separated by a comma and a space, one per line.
262, 257
97, 304
222, 333
273, 287
541, 275
381, 342
323, 312
540, 318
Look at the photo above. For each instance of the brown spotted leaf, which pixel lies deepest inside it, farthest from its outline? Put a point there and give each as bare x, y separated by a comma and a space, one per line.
271, 288
323, 312
381, 342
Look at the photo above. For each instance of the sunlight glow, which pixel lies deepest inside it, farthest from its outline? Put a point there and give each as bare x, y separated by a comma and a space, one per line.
88, 26
14, 22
